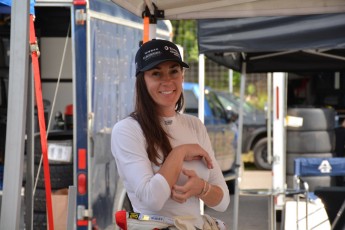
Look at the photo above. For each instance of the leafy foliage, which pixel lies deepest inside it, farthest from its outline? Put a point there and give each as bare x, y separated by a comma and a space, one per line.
185, 34
216, 76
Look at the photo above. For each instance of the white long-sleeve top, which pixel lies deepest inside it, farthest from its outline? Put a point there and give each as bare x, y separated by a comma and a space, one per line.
149, 191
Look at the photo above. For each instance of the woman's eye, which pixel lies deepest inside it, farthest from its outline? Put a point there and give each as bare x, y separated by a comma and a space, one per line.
174, 71
156, 74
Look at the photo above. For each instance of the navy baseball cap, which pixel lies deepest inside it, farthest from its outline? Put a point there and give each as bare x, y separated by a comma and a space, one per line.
154, 52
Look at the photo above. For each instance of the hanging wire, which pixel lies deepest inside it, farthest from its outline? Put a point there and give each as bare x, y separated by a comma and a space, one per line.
53, 105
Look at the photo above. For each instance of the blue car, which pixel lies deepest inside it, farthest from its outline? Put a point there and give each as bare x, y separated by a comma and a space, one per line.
221, 109
254, 133
220, 124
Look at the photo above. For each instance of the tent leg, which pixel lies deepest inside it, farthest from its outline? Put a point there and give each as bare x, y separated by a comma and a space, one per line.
16, 121
201, 104
29, 185
239, 149
72, 203
231, 79
279, 135
269, 118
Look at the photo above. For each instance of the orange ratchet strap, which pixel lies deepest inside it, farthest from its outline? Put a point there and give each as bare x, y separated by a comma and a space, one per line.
40, 110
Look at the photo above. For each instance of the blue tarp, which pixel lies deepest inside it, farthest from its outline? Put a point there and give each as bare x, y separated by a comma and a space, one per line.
5, 6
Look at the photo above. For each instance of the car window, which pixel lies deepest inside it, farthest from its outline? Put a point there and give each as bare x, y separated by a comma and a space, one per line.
228, 104
246, 106
191, 102
215, 105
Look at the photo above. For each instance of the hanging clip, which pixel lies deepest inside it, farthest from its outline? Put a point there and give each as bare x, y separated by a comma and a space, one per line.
156, 14
34, 48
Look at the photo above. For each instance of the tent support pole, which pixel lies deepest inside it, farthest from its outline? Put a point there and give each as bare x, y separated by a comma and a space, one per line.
16, 118
324, 55
231, 79
269, 118
279, 137
29, 185
201, 102
239, 148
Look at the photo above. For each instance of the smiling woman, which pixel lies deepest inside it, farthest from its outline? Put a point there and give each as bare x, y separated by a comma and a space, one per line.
170, 152
165, 95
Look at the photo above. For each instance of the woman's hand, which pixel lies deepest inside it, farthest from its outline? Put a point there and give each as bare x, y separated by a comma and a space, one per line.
196, 152
172, 166
193, 187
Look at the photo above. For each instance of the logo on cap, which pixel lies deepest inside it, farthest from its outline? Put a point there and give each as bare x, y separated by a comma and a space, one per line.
151, 54
155, 52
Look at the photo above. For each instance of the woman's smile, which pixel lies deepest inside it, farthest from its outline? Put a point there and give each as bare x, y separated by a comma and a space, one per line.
166, 92
164, 84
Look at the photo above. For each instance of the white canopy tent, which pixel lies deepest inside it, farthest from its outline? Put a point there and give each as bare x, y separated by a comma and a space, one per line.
173, 10
206, 9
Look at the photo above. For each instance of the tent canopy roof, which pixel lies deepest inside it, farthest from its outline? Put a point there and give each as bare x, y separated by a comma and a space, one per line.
278, 43
202, 9
233, 31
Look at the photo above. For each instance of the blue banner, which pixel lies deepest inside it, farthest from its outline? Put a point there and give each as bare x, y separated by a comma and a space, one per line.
5, 6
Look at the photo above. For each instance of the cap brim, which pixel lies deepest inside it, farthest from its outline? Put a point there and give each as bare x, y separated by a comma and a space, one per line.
153, 64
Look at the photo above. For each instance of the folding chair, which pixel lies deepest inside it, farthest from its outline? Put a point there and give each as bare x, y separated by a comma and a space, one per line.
308, 167
334, 201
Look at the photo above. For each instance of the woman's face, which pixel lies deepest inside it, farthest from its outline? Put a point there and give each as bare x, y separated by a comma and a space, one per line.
164, 84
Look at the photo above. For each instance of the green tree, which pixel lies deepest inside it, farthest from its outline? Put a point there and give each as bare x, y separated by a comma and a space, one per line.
185, 34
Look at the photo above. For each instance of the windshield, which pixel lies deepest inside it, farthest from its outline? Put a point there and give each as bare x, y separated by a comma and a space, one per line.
232, 102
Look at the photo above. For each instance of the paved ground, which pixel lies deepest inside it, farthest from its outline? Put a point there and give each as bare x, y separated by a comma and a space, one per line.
253, 210
253, 213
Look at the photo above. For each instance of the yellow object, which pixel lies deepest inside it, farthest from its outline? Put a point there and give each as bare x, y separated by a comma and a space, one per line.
248, 157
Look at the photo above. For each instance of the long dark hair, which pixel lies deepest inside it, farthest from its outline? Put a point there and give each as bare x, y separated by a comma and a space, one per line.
145, 112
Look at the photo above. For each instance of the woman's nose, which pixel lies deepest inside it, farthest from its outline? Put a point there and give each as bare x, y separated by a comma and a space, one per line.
165, 77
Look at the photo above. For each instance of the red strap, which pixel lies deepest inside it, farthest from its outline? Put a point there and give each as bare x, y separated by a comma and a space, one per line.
42, 125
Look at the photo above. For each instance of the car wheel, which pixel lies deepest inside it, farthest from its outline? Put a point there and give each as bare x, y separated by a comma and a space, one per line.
260, 155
